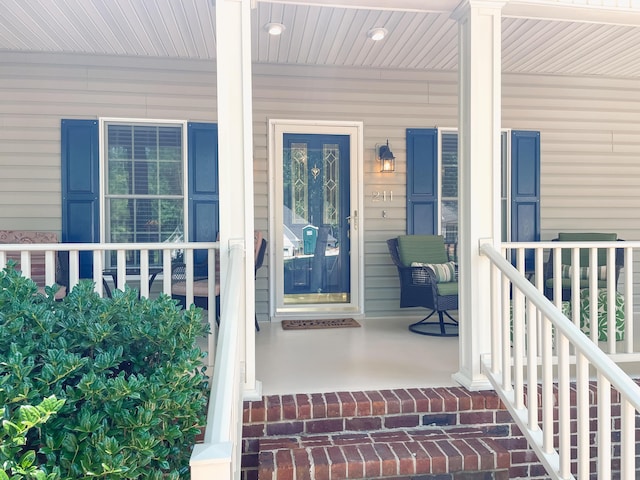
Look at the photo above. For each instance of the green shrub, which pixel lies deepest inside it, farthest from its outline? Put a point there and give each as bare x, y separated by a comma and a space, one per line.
129, 370
14, 459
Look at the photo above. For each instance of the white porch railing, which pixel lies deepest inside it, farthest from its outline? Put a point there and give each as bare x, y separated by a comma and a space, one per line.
219, 456
535, 347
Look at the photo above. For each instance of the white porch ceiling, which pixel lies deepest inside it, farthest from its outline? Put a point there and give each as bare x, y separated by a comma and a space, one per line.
320, 34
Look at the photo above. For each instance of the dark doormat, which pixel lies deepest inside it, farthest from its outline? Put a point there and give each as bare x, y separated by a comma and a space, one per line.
323, 323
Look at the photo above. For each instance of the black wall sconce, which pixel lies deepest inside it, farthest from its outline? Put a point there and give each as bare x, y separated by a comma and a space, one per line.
387, 160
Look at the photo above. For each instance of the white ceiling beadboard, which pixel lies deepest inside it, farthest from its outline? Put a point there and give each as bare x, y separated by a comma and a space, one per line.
320, 34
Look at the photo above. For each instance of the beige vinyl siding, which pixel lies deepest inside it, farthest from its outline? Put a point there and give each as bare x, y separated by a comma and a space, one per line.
590, 137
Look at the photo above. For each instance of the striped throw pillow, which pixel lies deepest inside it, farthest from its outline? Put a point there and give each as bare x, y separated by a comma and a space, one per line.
583, 273
445, 272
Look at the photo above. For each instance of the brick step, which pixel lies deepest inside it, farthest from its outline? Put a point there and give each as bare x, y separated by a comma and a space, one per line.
423, 453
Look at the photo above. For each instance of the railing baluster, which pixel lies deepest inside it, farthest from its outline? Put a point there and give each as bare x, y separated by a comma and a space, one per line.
583, 416
604, 427
611, 300
627, 440
144, 273
628, 299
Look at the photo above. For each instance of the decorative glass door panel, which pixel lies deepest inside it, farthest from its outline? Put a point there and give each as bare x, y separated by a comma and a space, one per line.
316, 218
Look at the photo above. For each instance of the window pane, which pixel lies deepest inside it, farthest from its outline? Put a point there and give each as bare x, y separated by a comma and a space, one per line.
145, 178
450, 220
449, 165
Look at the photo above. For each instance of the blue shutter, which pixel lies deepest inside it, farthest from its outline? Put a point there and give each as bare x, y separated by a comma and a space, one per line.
525, 189
422, 181
80, 187
204, 196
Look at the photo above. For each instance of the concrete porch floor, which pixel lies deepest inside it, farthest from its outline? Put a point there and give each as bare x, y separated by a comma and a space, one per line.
381, 354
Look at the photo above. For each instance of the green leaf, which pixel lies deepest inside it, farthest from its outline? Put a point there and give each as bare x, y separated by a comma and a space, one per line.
28, 459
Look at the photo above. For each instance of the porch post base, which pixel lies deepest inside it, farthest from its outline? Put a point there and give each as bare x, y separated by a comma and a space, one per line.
253, 394
476, 384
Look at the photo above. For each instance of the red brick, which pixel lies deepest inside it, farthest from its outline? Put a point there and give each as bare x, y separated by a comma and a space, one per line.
304, 406
324, 426
378, 404
285, 428
273, 408
348, 404
284, 465
423, 404
249, 460
302, 464
454, 459
463, 396
253, 431
371, 461
389, 464
486, 458
436, 403
338, 463
355, 463
476, 417
267, 466
258, 412
402, 421
320, 463
392, 401
363, 423
523, 456
407, 403
333, 405
423, 459
438, 461
450, 400
318, 406
407, 464
363, 404
469, 456
289, 407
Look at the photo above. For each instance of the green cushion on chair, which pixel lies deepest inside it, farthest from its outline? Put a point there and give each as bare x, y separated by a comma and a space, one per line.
448, 288
422, 249
585, 312
584, 253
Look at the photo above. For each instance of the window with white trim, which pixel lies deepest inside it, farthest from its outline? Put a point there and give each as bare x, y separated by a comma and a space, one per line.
144, 171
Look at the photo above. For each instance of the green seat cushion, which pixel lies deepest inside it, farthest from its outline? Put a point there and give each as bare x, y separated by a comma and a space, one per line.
448, 288
584, 252
422, 249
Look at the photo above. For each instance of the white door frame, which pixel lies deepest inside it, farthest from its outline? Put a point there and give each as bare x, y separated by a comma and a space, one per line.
355, 308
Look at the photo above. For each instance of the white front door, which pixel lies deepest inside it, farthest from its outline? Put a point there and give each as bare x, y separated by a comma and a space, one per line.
315, 219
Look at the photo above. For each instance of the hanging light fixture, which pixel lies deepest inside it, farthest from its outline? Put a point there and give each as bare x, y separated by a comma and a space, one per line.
387, 160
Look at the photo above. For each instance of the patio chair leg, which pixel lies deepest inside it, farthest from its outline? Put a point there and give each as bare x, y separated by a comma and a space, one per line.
423, 327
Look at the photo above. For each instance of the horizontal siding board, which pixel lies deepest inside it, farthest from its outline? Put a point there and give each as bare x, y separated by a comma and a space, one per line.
590, 137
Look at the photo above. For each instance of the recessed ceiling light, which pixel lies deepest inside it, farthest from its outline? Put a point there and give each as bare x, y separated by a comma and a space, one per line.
377, 33
274, 28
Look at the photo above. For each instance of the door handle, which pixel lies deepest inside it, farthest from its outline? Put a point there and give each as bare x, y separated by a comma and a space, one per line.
353, 217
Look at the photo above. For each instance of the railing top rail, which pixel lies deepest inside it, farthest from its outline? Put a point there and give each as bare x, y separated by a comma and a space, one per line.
618, 378
569, 244
64, 247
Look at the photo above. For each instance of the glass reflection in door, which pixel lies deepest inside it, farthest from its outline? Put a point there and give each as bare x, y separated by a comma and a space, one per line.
316, 218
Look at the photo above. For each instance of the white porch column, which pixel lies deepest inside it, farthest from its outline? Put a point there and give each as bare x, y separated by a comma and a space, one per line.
235, 153
479, 60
